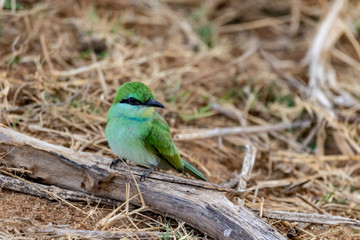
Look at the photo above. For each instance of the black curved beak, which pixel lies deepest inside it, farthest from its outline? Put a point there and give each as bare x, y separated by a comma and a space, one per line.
153, 103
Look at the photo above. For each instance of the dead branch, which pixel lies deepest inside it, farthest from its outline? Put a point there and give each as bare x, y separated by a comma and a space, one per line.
248, 164
200, 204
59, 232
311, 218
44, 191
219, 132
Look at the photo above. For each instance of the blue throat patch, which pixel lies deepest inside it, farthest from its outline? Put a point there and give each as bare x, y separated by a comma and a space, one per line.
136, 119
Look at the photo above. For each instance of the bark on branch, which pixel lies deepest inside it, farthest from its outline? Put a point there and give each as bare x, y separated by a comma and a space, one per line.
87, 234
202, 205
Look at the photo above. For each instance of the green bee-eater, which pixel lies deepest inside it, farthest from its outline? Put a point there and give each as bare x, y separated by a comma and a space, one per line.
136, 132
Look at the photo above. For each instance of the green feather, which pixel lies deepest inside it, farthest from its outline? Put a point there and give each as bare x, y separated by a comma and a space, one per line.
133, 89
193, 171
160, 141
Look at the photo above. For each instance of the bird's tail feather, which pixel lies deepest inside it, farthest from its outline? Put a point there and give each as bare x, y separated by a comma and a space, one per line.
193, 171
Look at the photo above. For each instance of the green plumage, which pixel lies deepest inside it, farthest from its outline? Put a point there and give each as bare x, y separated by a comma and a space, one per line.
136, 132
137, 90
193, 171
160, 142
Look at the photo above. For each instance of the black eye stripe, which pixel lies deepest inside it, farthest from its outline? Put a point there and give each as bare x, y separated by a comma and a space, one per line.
131, 101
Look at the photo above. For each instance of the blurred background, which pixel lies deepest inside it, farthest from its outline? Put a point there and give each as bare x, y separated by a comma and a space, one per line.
288, 71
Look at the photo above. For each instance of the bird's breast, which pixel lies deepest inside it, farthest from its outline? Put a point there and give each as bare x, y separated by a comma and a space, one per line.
126, 139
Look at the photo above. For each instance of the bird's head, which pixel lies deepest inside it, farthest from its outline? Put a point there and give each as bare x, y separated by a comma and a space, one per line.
136, 94
134, 100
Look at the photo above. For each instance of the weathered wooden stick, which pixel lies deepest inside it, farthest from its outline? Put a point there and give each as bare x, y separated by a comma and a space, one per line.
200, 204
58, 232
248, 164
311, 218
41, 190
220, 132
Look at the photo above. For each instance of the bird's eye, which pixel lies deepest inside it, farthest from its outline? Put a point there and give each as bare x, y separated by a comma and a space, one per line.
132, 100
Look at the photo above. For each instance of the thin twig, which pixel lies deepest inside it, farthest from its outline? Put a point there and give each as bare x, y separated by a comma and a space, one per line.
248, 164
311, 218
218, 132
267, 22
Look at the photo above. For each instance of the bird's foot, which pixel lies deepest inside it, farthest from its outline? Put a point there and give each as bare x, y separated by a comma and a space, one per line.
146, 173
115, 161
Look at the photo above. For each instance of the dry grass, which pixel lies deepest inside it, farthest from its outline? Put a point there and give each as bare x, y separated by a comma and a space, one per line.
214, 64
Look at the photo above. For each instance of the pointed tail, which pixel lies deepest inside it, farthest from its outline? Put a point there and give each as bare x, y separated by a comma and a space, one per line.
193, 171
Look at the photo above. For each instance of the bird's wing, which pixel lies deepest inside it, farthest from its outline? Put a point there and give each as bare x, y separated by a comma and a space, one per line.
160, 142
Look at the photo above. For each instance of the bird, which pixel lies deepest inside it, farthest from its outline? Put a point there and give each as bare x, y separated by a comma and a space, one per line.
136, 132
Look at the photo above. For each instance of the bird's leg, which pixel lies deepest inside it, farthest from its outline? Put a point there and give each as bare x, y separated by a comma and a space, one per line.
147, 172
115, 161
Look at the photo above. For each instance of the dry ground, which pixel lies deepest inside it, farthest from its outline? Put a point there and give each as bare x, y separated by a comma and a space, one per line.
213, 64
